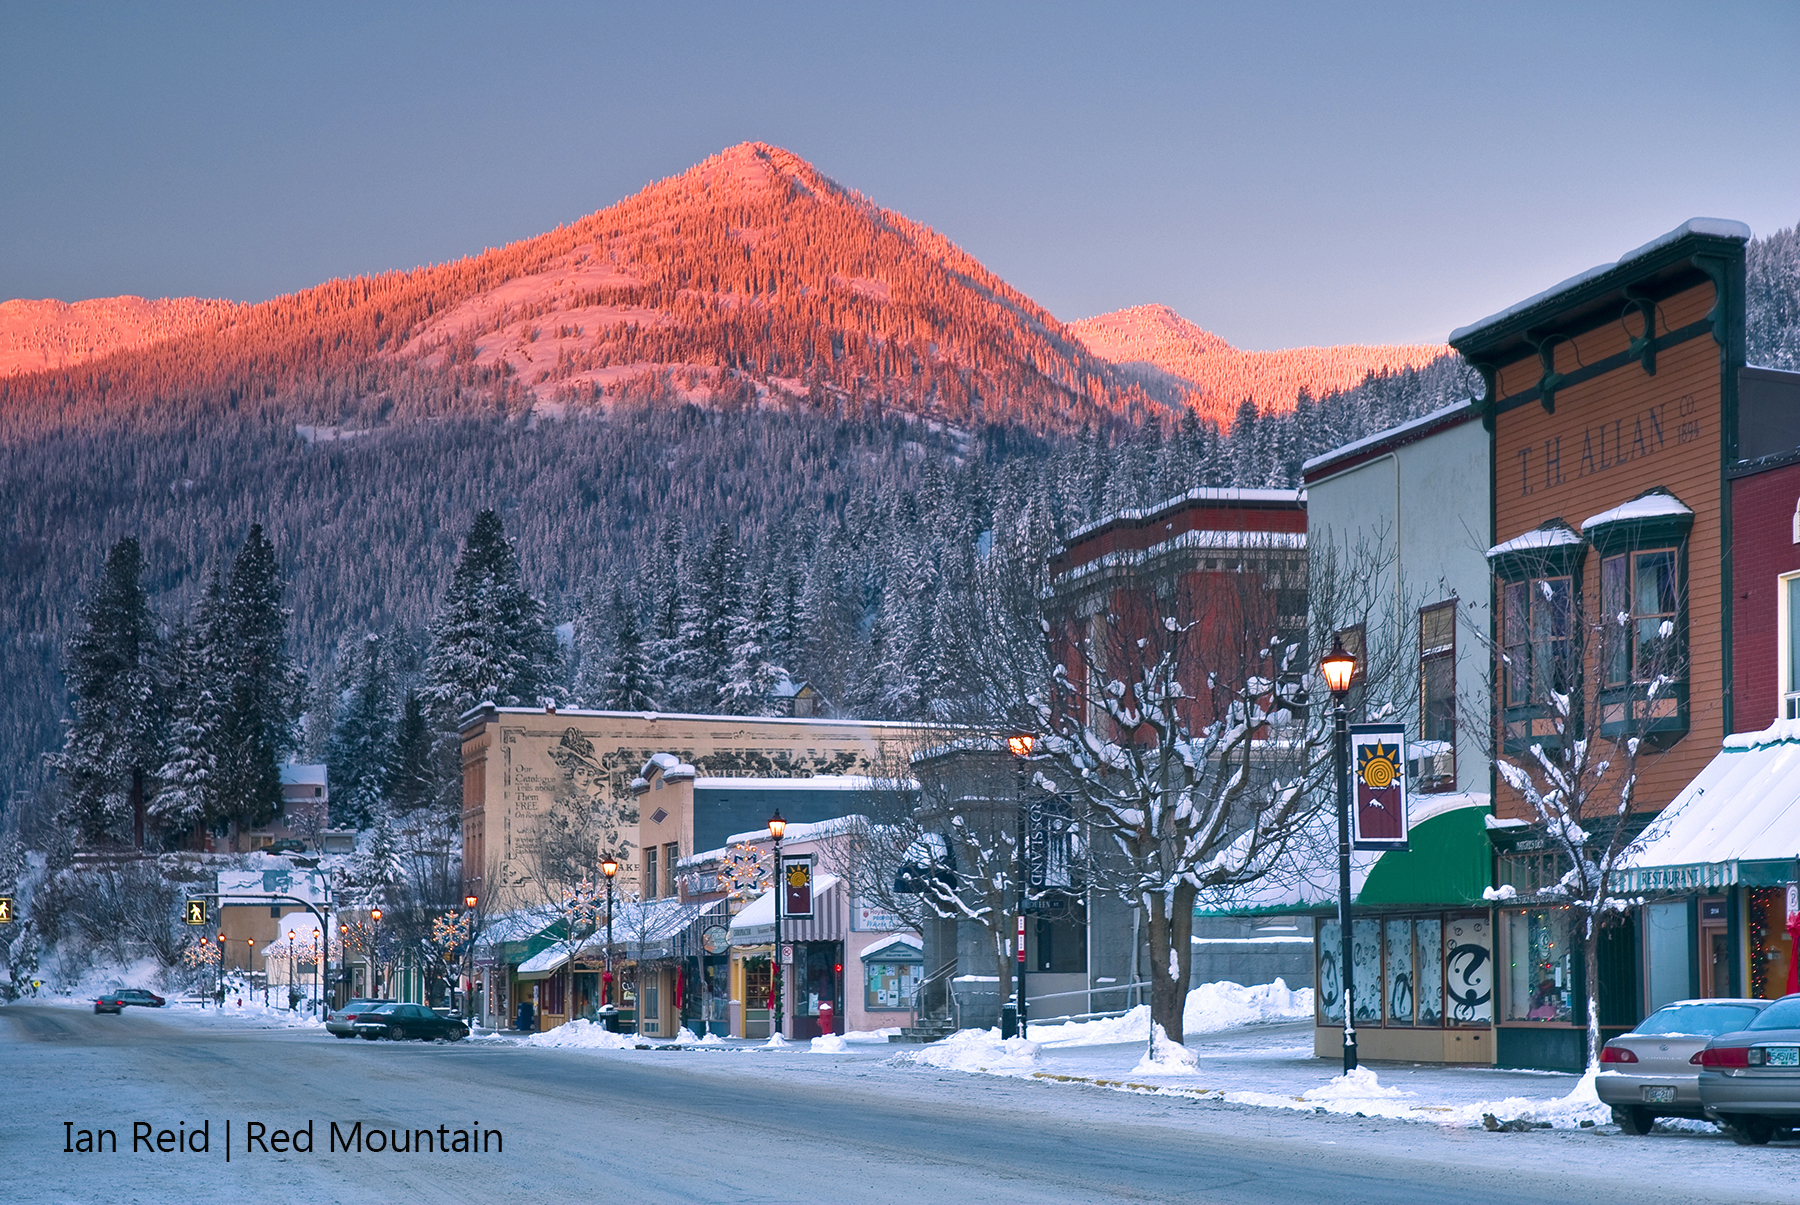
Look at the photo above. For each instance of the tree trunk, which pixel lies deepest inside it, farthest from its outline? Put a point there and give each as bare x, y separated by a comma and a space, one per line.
1590, 965
1171, 928
1003, 959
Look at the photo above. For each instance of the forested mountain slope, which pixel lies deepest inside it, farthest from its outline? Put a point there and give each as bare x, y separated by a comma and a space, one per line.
36, 335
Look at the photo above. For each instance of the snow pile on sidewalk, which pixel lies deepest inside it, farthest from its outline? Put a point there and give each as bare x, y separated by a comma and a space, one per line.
1166, 1058
581, 1034
829, 1043
1362, 1092
1210, 1008
1560, 1113
974, 1050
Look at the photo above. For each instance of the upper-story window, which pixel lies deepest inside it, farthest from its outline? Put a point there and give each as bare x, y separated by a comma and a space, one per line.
1539, 625
1437, 697
1790, 646
1643, 655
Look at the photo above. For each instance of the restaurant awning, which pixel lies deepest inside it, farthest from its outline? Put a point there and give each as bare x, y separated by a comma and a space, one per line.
1737, 822
543, 964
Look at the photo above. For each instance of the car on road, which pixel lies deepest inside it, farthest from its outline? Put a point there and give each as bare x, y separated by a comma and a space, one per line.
403, 1021
341, 1022
1654, 1071
1750, 1078
115, 1001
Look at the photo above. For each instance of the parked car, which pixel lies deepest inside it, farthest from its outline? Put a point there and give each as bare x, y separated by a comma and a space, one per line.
1750, 1079
115, 1001
1654, 1071
403, 1021
342, 1022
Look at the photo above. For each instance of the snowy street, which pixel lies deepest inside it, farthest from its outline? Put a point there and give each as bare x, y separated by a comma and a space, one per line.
869, 1122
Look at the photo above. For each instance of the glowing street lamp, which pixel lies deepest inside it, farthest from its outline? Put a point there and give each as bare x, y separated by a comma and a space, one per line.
1020, 745
1339, 668
609, 868
777, 829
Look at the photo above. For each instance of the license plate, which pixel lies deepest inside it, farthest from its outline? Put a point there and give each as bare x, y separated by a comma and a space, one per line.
1784, 1056
1659, 1096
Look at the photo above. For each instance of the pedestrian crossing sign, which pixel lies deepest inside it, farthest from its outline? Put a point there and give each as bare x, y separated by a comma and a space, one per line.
196, 912
5, 909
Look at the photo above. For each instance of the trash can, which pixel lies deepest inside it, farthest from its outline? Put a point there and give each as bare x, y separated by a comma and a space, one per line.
608, 1016
1009, 1020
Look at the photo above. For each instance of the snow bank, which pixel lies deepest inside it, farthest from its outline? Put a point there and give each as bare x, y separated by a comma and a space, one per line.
1210, 1008
872, 1035
974, 1050
581, 1034
829, 1043
1165, 1057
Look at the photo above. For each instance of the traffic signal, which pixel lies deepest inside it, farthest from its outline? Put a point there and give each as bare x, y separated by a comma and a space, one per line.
196, 912
6, 912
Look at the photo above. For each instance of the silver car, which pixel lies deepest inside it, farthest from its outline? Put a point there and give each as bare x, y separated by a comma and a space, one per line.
341, 1022
1654, 1071
1750, 1079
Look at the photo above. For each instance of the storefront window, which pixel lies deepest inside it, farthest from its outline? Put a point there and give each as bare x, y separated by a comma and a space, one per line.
1540, 964
1331, 976
1428, 974
1400, 994
1365, 955
1468, 971
1771, 949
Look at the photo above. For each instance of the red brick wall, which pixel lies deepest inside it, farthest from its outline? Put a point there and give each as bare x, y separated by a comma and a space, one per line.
1762, 549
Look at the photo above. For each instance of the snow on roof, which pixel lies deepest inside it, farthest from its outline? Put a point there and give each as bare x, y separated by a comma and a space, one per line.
818, 782
818, 830
1199, 538
1200, 493
1717, 227
1647, 505
761, 910
1442, 414
670, 765
548, 959
294, 774
1554, 534
1744, 806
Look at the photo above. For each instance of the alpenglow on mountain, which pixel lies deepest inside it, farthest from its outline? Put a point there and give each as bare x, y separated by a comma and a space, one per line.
749, 276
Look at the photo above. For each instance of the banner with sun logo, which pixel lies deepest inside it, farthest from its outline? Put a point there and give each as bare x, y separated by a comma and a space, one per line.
797, 886
1378, 786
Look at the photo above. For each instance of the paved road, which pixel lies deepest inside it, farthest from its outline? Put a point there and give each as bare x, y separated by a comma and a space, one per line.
746, 1127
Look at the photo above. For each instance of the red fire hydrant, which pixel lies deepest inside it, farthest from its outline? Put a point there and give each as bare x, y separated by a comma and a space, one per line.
827, 1018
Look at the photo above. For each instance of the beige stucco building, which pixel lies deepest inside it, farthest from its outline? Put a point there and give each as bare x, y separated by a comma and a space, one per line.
525, 766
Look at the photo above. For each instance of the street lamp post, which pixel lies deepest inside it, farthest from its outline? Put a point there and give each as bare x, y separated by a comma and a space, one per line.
372, 961
777, 827
219, 984
469, 902
1020, 746
1339, 667
609, 868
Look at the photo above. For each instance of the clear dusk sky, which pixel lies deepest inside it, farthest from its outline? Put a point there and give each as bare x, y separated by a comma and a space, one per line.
1282, 174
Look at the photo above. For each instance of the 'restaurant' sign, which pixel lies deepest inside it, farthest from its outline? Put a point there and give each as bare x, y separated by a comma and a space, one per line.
796, 886
1378, 786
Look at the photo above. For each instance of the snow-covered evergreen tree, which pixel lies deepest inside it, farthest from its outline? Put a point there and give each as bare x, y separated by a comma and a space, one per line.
114, 742
189, 797
412, 781
751, 677
627, 683
489, 640
361, 750
262, 690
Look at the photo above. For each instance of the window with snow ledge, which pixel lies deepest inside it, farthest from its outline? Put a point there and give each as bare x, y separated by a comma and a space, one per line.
1643, 659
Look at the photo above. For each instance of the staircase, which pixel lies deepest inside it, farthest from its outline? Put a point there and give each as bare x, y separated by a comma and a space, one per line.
935, 1012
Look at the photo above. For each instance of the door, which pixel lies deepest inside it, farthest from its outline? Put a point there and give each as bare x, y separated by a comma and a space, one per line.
1715, 949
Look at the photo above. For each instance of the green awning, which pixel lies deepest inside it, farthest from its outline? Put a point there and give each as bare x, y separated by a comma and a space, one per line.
1448, 863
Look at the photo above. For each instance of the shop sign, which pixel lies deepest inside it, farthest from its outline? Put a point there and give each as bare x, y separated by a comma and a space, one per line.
1696, 876
715, 939
796, 887
1378, 786
1793, 901
872, 918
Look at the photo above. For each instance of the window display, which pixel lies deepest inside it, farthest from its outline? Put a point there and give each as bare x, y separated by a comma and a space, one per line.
1365, 954
1541, 965
1469, 970
1331, 979
1399, 994
1428, 973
